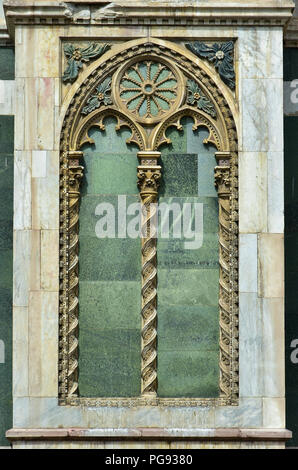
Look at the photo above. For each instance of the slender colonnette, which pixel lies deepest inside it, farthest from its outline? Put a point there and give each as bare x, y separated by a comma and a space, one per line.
149, 174
223, 185
75, 174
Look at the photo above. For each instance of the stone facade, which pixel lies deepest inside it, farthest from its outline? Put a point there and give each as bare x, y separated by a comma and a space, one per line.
41, 102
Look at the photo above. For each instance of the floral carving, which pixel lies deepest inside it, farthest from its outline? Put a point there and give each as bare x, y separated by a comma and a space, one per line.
219, 54
195, 97
149, 179
76, 56
102, 97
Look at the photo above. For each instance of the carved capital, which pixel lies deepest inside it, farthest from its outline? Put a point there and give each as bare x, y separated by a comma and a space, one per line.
222, 180
75, 176
75, 172
149, 179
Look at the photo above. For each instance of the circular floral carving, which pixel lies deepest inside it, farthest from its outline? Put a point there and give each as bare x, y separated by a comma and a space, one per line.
148, 90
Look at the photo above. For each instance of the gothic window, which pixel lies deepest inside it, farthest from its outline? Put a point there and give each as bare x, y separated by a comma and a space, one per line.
148, 305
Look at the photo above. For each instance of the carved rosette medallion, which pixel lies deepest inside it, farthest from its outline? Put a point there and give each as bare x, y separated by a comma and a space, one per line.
149, 89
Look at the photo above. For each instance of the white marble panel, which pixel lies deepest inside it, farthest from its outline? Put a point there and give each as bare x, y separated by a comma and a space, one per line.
271, 265
7, 97
274, 412
50, 260
43, 347
247, 415
20, 351
252, 192
261, 108
21, 267
248, 263
273, 347
39, 111
45, 412
45, 196
37, 54
26, 265
250, 346
39, 163
22, 190
261, 52
19, 122
275, 192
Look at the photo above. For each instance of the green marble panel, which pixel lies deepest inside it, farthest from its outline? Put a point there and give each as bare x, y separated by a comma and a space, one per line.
183, 373
89, 216
6, 227
200, 321
110, 173
188, 279
109, 271
188, 287
6, 231
179, 175
7, 61
109, 259
105, 302
109, 361
178, 143
6, 269
6, 134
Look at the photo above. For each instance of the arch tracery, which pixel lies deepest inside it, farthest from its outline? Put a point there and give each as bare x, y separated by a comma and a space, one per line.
148, 88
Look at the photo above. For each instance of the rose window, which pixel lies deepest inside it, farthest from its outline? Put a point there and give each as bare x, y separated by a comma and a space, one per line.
148, 89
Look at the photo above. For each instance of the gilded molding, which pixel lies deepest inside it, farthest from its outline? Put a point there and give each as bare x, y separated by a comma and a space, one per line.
149, 135
221, 55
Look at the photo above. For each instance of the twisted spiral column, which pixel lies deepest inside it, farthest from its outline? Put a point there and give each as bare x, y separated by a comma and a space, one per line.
223, 185
75, 174
149, 174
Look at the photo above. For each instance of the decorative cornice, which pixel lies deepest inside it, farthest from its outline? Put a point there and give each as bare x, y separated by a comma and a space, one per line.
150, 12
291, 31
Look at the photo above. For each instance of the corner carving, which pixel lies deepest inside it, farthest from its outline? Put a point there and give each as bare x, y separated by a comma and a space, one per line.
221, 55
76, 56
